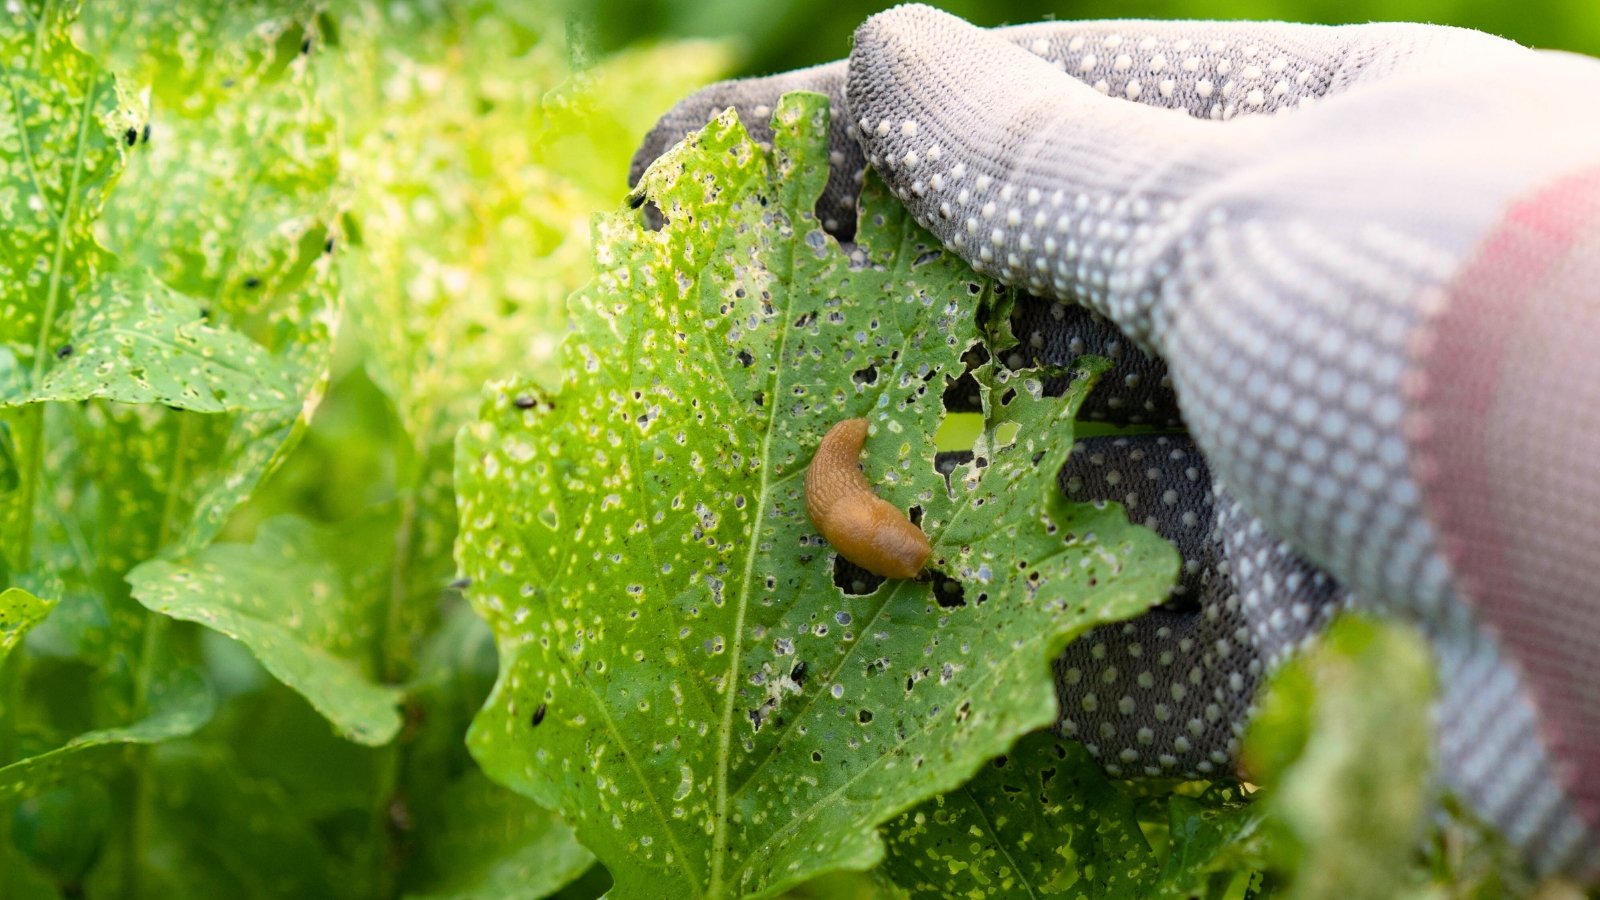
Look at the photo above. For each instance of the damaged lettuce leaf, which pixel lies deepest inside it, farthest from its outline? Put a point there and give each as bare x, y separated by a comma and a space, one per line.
1341, 807
1045, 820
689, 675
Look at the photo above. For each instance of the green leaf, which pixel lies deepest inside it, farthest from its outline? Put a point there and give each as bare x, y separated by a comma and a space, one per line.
63, 830
60, 152
19, 612
680, 677
229, 206
1348, 777
179, 702
73, 323
219, 832
475, 174
231, 203
495, 845
284, 598
478, 839
1044, 820
136, 341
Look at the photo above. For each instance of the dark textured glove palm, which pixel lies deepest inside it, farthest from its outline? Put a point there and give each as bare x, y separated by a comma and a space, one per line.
1366, 263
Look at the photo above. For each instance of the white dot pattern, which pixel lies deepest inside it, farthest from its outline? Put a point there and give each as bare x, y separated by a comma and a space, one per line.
1169, 693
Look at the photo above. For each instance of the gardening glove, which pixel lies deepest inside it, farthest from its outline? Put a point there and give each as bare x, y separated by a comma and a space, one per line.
1368, 285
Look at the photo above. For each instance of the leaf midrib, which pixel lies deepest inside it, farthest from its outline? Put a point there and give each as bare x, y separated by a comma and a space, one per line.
720, 833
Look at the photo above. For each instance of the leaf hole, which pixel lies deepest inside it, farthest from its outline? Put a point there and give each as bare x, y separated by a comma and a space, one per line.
947, 592
852, 579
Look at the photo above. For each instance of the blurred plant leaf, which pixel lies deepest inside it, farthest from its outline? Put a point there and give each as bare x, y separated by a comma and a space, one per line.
477, 838
19, 612
219, 832
63, 830
480, 154
493, 844
680, 677
285, 598
1349, 778
230, 202
179, 703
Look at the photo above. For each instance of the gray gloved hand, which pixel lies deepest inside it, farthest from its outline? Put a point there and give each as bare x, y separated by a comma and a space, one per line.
1369, 304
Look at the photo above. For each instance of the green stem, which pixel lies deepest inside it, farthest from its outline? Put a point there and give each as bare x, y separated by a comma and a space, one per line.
141, 801
11, 678
155, 628
383, 862
393, 664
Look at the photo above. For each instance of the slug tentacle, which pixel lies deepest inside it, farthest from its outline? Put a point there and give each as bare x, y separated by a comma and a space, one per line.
863, 527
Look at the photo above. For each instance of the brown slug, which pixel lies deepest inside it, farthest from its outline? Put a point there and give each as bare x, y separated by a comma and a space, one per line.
866, 529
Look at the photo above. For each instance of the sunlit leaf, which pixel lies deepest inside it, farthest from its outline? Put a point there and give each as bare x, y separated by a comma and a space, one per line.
19, 612
474, 174
136, 341
74, 321
680, 676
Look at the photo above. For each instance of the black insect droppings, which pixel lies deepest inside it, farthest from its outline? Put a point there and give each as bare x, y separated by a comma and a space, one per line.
63, 351
798, 673
252, 282
461, 584
538, 716
144, 136
130, 136
524, 401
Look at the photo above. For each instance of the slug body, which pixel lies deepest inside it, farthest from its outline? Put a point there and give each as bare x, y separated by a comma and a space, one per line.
865, 529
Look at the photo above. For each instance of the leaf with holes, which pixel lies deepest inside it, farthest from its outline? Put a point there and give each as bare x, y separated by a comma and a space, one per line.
231, 201
134, 340
1045, 820
74, 322
681, 675
477, 176
215, 294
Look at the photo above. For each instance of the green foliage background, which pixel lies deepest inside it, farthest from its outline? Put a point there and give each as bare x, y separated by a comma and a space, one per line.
260, 261
785, 34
